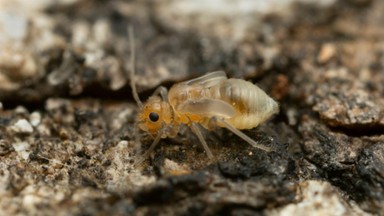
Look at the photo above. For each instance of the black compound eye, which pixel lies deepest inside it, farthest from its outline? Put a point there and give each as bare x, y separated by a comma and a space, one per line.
153, 116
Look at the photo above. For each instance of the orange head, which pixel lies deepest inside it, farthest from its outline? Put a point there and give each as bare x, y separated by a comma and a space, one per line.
155, 115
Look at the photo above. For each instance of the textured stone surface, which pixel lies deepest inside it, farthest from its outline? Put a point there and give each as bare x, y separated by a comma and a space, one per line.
319, 198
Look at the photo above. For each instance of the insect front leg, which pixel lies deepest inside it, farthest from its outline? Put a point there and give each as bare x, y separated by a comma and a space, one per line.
196, 130
221, 122
162, 91
142, 158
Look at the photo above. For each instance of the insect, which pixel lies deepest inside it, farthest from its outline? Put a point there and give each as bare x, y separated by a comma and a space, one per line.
211, 100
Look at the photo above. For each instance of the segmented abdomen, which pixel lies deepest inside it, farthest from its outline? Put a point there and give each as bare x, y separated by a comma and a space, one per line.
253, 106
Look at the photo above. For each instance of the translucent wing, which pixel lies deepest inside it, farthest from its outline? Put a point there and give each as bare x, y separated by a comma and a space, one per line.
207, 107
208, 80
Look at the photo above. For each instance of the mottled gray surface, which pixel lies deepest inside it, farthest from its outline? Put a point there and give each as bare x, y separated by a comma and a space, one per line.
67, 136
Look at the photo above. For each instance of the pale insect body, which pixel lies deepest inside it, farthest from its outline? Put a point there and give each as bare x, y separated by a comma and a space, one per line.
241, 103
211, 100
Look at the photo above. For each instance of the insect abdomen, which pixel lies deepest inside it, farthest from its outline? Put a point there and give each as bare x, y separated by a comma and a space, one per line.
253, 106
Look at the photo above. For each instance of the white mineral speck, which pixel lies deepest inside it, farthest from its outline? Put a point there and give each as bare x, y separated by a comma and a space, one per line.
20, 146
35, 118
123, 144
21, 110
22, 149
22, 126
43, 130
14, 25
29, 200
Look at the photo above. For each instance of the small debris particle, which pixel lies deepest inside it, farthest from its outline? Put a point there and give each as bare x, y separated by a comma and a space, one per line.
281, 87
173, 168
327, 51
21, 110
63, 133
35, 119
292, 116
22, 148
22, 126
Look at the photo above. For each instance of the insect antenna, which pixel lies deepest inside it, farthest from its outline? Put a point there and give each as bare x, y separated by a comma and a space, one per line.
132, 67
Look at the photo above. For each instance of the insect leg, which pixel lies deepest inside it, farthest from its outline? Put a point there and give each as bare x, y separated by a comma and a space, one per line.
141, 158
163, 93
196, 130
241, 134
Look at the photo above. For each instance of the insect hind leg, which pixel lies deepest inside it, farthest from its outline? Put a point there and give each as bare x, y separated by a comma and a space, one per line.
196, 130
162, 91
240, 134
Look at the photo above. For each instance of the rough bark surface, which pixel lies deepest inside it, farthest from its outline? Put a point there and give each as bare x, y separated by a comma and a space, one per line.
67, 115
